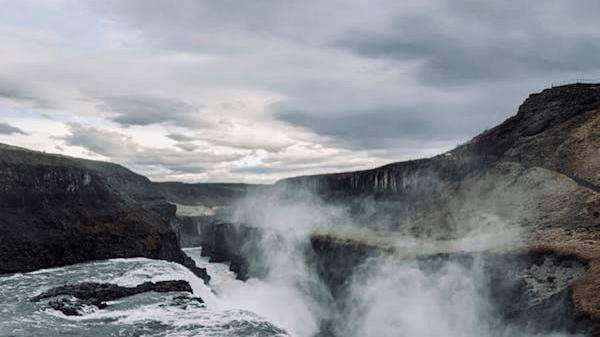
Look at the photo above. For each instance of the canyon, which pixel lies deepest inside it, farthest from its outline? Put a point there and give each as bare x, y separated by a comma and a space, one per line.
522, 197
518, 205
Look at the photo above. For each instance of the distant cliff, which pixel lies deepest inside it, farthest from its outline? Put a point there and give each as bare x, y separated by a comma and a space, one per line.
540, 167
57, 210
207, 194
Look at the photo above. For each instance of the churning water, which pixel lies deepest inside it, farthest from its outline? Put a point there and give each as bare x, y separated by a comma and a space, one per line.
146, 314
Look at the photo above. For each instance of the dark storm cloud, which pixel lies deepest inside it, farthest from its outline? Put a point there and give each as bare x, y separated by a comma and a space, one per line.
371, 128
457, 41
147, 110
399, 126
13, 91
193, 25
180, 137
474, 46
187, 146
299, 80
21, 90
473, 41
7, 129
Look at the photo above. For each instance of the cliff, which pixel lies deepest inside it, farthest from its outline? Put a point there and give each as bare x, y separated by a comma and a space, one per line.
537, 173
207, 194
556, 129
549, 150
57, 210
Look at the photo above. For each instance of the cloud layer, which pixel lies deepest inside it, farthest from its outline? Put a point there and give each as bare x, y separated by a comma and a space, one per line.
257, 91
7, 129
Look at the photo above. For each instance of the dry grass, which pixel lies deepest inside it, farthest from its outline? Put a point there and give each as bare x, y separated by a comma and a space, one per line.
583, 243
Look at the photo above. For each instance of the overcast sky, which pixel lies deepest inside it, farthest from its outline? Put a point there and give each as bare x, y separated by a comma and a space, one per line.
254, 91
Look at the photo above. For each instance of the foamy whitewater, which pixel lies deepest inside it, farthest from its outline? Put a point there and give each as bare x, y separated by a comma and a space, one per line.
393, 298
146, 314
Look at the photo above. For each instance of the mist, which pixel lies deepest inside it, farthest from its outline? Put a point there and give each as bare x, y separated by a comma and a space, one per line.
424, 286
389, 297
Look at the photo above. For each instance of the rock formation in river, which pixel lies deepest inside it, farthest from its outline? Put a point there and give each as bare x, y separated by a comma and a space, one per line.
96, 294
57, 210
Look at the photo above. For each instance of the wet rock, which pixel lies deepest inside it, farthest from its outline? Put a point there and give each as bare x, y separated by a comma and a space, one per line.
101, 292
185, 302
188, 298
75, 306
237, 244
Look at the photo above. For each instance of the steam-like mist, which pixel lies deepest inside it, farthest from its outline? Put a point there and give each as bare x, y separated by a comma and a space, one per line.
427, 299
393, 298
389, 295
290, 294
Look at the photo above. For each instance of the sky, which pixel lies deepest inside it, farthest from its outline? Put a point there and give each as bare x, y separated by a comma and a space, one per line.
255, 91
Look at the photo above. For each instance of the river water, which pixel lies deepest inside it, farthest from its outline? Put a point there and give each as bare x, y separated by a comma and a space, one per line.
146, 314
390, 298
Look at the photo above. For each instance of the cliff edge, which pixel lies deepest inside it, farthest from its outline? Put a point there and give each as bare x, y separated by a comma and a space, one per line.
57, 210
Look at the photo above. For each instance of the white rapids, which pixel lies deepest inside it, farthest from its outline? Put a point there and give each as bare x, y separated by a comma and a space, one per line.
148, 314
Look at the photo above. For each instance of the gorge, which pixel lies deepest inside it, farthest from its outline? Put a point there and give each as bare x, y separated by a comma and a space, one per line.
497, 237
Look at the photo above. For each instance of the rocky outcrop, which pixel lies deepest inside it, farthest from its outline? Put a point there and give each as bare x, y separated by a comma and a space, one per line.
337, 259
96, 294
237, 244
57, 210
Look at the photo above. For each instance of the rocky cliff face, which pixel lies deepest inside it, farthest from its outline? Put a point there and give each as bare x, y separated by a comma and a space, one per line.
57, 210
550, 151
555, 129
538, 172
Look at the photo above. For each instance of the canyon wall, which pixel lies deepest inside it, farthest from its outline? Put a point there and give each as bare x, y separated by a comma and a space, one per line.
538, 173
56, 210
